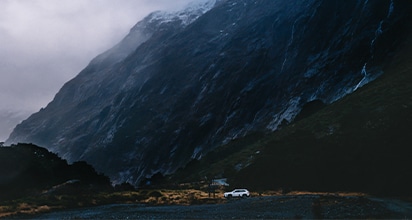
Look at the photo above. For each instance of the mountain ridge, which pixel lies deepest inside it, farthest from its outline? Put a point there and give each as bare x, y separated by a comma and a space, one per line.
358, 143
240, 68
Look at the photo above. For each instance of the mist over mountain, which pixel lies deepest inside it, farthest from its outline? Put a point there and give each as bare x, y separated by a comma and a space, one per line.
8, 120
181, 84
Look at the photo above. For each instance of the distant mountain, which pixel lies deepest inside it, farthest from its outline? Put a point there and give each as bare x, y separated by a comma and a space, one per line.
9, 119
181, 84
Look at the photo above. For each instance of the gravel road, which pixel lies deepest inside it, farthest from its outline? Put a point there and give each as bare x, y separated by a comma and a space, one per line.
267, 207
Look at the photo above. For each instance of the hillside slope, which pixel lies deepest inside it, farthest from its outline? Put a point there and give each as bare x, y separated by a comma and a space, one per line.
172, 91
359, 143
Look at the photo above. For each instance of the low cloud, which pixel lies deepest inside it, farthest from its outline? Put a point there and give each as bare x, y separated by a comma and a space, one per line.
45, 43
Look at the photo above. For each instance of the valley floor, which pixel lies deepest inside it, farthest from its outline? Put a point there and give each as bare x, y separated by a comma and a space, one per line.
308, 206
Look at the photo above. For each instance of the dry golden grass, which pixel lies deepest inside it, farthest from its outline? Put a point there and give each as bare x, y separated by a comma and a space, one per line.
31, 206
5, 211
24, 208
42, 204
185, 197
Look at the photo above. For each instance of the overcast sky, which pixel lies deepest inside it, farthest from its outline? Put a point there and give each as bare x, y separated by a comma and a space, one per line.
45, 43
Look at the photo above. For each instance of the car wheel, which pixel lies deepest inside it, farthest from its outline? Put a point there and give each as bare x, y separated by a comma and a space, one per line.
229, 196
244, 196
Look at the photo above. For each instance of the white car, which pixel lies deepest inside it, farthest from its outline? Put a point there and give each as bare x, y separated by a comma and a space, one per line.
237, 193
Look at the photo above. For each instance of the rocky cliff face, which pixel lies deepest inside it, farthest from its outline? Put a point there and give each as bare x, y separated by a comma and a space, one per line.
183, 83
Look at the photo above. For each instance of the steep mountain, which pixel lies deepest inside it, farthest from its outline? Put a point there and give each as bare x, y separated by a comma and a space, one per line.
358, 143
181, 84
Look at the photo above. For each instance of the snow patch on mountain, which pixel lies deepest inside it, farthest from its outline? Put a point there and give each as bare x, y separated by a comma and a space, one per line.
180, 85
186, 16
155, 21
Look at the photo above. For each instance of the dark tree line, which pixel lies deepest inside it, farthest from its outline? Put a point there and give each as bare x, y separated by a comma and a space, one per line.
26, 169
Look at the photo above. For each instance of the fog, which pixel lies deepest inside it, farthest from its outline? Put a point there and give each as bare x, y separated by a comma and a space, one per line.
45, 43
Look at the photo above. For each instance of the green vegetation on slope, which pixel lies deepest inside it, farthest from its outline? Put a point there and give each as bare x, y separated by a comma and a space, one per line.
359, 143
